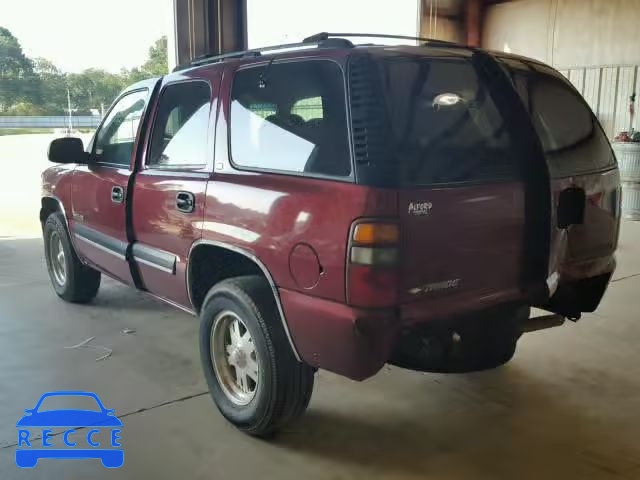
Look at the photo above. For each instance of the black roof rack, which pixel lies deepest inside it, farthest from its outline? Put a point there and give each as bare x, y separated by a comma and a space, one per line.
319, 40
256, 52
323, 36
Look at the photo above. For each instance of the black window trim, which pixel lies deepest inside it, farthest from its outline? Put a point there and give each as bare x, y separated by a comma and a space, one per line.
346, 178
160, 169
92, 154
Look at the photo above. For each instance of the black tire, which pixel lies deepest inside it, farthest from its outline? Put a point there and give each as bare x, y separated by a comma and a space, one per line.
80, 283
284, 386
470, 346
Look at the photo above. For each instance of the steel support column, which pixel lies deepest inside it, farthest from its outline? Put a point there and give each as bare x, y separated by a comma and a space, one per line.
201, 27
473, 22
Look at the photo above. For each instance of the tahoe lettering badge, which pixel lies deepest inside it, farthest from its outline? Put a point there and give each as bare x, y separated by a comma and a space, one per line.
97, 431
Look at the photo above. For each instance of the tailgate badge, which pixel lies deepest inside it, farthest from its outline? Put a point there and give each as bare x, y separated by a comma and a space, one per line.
433, 287
420, 208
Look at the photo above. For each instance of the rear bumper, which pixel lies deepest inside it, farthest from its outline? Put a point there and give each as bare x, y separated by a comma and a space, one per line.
357, 342
349, 341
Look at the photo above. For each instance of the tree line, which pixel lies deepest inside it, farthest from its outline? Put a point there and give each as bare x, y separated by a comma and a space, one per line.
37, 87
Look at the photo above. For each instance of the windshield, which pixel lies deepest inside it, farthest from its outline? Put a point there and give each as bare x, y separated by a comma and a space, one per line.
445, 125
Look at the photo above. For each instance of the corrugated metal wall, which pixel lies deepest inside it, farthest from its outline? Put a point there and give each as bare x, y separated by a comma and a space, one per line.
607, 90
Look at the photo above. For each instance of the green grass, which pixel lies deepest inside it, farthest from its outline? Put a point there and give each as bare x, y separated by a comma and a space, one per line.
23, 131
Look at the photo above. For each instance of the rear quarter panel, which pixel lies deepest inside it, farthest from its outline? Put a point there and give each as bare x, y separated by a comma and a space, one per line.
586, 250
269, 215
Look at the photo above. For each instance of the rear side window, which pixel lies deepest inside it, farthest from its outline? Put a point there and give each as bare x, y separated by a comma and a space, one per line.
179, 136
290, 117
263, 109
571, 137
446, 127
308, 108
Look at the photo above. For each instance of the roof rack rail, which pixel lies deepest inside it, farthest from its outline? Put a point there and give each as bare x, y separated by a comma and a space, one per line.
324, 36
256, 52
319, 40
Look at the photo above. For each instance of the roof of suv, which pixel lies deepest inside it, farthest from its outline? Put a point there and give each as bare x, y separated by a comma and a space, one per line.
332, 46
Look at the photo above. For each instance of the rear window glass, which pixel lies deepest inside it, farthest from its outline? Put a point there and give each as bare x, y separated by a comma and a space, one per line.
571, 137
263, 109
308, 108
291, 117
446, 126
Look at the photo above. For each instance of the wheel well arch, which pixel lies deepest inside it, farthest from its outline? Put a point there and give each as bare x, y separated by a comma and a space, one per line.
52, 204
227, 261
49, 205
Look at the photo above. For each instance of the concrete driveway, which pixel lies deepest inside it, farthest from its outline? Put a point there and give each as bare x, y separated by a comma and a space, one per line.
566, 407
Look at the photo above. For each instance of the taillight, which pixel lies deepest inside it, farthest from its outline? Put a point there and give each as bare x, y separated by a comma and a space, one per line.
372, 264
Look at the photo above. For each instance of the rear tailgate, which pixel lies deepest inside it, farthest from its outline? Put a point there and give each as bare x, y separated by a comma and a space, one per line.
461, 193
465, 243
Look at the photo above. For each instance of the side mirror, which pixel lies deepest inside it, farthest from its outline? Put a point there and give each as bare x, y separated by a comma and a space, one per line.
67, 150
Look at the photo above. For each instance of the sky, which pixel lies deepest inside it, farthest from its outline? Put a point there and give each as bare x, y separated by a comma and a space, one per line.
112, 34
280, 21
79, 34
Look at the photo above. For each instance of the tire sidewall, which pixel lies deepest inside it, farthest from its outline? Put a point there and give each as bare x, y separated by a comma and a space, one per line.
241, 415
53, 224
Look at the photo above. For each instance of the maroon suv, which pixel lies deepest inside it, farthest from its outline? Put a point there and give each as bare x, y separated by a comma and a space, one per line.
328, 205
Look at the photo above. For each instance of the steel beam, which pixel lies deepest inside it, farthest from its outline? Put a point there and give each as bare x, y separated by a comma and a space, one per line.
201, 27
473, 22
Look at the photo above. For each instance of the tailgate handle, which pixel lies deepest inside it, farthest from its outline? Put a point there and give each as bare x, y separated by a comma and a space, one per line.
571, 205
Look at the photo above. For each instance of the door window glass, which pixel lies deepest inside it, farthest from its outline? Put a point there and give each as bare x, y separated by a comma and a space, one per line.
115, 139
181, 126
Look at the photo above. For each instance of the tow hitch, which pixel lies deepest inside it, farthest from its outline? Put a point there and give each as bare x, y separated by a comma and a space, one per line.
543, 322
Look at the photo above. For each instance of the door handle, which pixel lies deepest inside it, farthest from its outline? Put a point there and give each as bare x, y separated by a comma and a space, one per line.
186, 202
117, 194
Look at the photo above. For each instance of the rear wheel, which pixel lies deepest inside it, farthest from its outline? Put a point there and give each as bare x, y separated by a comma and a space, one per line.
253, 376
71, 279
475, 344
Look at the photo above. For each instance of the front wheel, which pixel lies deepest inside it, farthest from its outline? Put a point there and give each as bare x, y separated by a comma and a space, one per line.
71, 280
253, 376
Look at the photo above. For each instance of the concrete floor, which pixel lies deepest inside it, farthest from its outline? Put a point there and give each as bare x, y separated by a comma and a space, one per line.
567, 407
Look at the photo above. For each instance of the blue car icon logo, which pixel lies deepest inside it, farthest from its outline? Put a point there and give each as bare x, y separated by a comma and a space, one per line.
39, 423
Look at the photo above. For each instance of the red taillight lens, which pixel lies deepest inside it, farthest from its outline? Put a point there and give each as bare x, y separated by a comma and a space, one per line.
372, 286
372, 264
